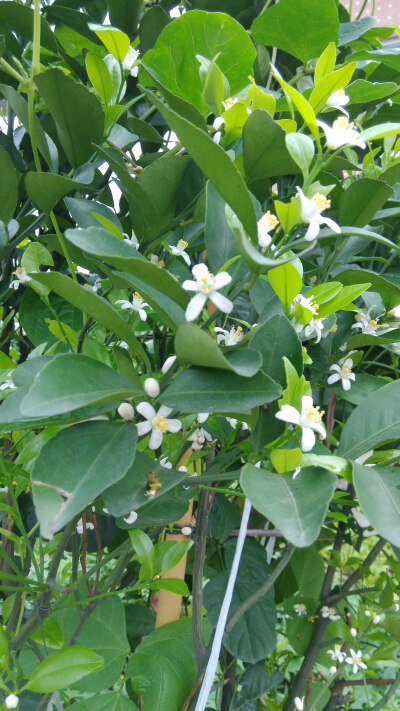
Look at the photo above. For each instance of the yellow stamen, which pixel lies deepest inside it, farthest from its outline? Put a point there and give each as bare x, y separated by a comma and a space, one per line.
182, 244
334, 328
270, 220
346, 371
321, 201
373, 323
136, 297
314, 414
160, 424
343, 122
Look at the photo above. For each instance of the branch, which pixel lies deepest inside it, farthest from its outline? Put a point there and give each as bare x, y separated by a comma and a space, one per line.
382, 703
200, 650
254, 532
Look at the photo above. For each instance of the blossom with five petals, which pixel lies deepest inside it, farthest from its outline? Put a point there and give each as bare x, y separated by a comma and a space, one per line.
157, 423
336, 653
343, 372
309, 419
199, 437
337, 100
179, 250
137, 304
207, 286
341, 133
311, 209
356, 661
366, 324
230, 338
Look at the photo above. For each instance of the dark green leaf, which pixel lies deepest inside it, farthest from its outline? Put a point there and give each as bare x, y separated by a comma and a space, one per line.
151, 25
362, 200
9, 180
273, 340
63, 668
378, 492
220, 242
125, 14
46, 189
112, 701
350, 31
193, 346
264, 149
19, 18
389, 292
85, 213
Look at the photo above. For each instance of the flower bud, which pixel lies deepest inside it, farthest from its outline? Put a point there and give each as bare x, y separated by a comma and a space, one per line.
353, 632
152, 387
126, 411
11, 701
170, 361
376, 619
332, 670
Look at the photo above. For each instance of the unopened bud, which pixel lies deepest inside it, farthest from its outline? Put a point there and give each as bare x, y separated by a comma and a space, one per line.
376, 619
170, 361
12, 701
332, 670
126, 411
353, 632
152, 387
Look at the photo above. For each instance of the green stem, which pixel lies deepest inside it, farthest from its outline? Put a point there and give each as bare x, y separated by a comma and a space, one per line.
31, 121
10, 70
63, 245
36, 39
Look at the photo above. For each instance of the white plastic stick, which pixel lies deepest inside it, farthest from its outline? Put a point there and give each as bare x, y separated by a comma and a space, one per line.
219, 632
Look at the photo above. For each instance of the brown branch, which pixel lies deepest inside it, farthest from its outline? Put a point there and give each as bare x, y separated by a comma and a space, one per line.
193, 692
360, 682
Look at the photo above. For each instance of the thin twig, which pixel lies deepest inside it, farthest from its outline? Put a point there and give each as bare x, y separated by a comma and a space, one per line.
255, 532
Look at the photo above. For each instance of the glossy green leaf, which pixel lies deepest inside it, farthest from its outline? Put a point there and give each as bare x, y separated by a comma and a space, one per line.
152, 660
34, 256
125, 14
297, 507
51, 632
174, 585
285, 460
75, 466
212, 390
215, 164
329, 84
302, 150
375, 132
362, 431
76, 112
111, 701
389, 292
265, 153
378, 492
350, 31
286, 281
94, 306
362, 200
63, 667
211, 35
114, 40
274, 339
361, 91
100, 77
19, 18
302, 28
300, 104
219, 240
46, 189
71, 381
345, 296
9, 180
3, 649
144, 550
151, 25
326, 63
193, 346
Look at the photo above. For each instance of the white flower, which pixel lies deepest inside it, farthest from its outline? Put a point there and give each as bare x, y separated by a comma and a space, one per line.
233, 423
300, 609
356, 661
79, 526
218, 123
129, 61
155, 260
126, 411
151, 387
11, 701
230, 338
22, 278
337, 100
311, 209
342, 372
316, 325
353, 632
332, 670
366, 324
299, 703
376, 619
133, 241
207, 286
329, 612
137, 304
202, 417
265, 225
179, 251
336, 654
199, 438
308, 419
157, 423
341, 133
131, 518
168, 363
394, 313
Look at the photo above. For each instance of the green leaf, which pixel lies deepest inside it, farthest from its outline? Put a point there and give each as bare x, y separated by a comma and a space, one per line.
94, 306
253, 637
100, 77
165, 661
302, 28
350, 31
19, 18
264, 149
151, 24
211, 35
286, 281
125, 14
309, 569
9, 180
77, 113
389, 292
3, 649
212, 390
144, 550
115, 41
377, 489
362, 200
361, 91
297, 507
214, 163
345, 296
193, 346
34, 256
329, 84
375, 132
301, 104
50, 632
219, 240
75, 466
88, 213
46, 189
111, 701
375, 421
174, 585
62, 668
213, 90
302, 150
274, 339
326, 63
285, 460
71, 381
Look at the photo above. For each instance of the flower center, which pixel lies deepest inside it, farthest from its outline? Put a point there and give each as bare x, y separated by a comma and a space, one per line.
357, 660
334, 328
205, 283
136, 299
314, 414
270, 220
343, 123
346, 371
182, 244
340, 92
236, 334
160, 424
18, 271
320, 201
373, 323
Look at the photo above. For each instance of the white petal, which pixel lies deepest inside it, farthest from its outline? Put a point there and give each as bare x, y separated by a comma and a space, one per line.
168, 363
307, 439
330, 223
186, 258
221, 302
313, 231
124, 304
319, 427
333, 379
337, 367
189, 285
155, 439
202, 417
346, 384
142, 314
195, 306
143, 427
200, 270
174, 425
221, 280
164, 411
145, 409
288, 413
306, 402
